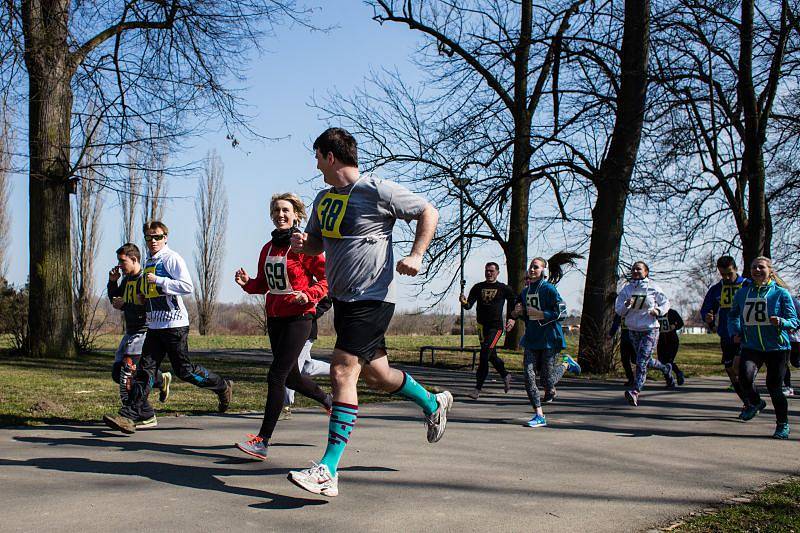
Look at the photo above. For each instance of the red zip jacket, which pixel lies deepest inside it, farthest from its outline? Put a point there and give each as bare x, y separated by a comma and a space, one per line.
301, 270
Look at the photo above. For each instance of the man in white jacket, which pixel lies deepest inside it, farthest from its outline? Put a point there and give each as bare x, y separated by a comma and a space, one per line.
167, 278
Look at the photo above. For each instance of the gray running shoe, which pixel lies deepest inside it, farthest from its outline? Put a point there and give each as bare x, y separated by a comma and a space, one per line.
120, 423
147, 423
475, 394
317, 480
225, 397
437, 421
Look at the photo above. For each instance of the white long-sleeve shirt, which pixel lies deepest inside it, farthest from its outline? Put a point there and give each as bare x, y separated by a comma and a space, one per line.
645, 296
165, 308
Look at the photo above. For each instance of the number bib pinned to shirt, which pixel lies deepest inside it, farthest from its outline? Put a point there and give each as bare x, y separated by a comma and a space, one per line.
276, 273
726, 295
755, 313
663, 324
639, 301
330, 211
151, 288
532, 302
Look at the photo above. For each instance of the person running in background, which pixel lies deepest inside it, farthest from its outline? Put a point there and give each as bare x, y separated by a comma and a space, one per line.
352, 223
627, 354
491, 297
308, 366
668, 344
794, 354
714, 312
128, 297
167, 278
760, 317
293, 284
641, 302
542, 308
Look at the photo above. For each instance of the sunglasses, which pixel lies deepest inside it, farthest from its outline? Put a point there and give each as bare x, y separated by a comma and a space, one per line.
159, 237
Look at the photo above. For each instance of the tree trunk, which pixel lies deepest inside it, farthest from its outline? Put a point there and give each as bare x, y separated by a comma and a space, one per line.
754, 239
517, 250
50, 107
613, 181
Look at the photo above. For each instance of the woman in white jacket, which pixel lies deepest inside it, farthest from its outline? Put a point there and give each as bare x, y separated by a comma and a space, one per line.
641, 302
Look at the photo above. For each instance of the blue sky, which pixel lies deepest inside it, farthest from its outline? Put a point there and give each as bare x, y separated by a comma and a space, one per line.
297, 64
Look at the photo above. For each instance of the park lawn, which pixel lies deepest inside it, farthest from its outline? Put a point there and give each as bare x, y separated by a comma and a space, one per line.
36, 391
775, 509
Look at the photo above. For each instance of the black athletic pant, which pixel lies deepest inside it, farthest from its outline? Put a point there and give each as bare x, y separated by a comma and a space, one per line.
489, 336
627, 354
124, 373
287, 336
749, 364
667, 350
172, 343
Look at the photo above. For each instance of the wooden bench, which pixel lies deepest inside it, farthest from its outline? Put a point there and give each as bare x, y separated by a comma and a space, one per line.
475, 350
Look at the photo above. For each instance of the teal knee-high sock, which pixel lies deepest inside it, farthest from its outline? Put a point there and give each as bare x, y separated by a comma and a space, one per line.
411, 390
340, 425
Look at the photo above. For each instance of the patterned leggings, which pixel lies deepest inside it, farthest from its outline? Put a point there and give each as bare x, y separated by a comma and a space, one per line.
548, 363
644, 342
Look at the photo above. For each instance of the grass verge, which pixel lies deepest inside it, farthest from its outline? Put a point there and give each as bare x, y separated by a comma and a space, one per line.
774, 509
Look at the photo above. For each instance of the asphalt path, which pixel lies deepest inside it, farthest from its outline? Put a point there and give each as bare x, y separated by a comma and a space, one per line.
600, 465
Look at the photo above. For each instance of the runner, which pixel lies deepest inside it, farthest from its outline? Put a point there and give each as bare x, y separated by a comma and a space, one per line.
491, 297
308, 366
794, 356
352, 222
543, 309
128, 297
714, 312
627, 354
641, 302
166, 279
293, 284
761, 317
669, 343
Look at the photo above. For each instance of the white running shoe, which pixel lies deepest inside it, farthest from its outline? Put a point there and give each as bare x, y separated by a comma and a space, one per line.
317, 480
437, 421
147, 423
787, 391
163, 393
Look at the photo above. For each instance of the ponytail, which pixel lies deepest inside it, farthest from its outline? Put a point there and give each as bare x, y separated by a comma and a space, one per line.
555, 263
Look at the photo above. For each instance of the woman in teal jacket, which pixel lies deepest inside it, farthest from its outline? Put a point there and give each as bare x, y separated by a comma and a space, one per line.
543, 309
761, 317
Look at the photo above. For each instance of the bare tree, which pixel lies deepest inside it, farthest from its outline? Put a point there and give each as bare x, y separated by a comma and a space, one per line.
253, 307
154, 186
156, 69
6, 150
474, 128
129, 196
211, 208
86, 235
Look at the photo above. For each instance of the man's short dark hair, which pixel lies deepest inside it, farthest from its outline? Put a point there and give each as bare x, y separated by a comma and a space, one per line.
726, 261
152, 225
131, 250
340, 143
495, 265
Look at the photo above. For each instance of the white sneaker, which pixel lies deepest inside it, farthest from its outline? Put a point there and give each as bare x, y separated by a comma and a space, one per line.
437, 421
317, 480
163, 393
787, 391
148, 423
475, 394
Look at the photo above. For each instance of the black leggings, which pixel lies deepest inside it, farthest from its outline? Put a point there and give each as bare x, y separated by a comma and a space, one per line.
749, 364
627, 354
287, 336
667, 350
489, 355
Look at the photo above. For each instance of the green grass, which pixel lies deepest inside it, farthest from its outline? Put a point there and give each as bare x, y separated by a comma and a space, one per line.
776, 509
47, 390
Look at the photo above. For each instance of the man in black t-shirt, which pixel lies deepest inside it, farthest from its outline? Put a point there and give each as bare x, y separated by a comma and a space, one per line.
491, 296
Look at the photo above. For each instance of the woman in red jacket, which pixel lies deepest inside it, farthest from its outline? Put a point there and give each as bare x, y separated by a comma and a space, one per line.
293, 284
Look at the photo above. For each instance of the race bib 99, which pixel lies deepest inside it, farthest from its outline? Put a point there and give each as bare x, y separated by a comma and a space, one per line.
755, 312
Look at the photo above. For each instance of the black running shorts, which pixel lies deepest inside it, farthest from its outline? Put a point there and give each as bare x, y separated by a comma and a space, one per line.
730, 350
360, 326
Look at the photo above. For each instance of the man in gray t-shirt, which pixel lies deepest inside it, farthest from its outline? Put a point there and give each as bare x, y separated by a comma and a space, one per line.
352, 223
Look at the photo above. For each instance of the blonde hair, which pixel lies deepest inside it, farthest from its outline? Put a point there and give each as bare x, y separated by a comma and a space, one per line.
297, 204
772, 274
